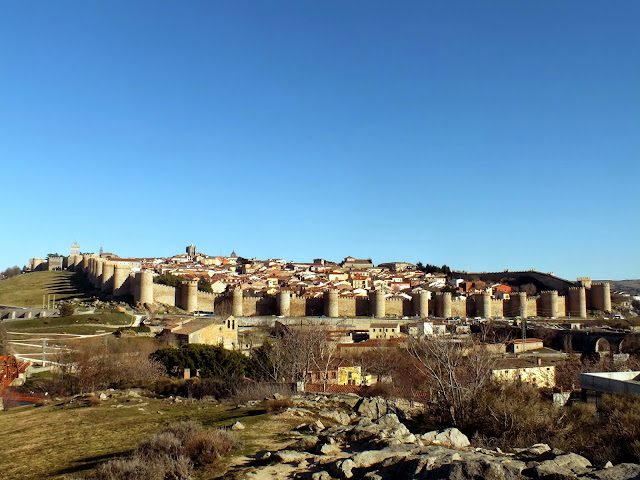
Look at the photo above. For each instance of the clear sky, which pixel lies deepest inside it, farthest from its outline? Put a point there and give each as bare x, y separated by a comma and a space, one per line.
483, 135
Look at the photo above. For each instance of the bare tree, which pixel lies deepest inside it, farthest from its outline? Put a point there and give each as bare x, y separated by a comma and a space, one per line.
456, 371
296, 352
324, 354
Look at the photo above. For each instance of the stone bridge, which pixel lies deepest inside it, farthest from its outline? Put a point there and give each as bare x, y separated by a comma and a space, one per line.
593, 341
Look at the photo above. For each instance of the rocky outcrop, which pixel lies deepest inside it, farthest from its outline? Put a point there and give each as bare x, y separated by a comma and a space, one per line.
375, 444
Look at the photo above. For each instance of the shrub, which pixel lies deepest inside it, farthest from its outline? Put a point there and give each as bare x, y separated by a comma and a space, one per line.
136, 468
66, 309
207, 446
515, 413
170, 454
161, 444
277, 404
257, 391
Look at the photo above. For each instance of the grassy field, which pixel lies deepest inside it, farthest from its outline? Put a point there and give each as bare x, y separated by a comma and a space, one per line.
27, 290
58, 440
72, 324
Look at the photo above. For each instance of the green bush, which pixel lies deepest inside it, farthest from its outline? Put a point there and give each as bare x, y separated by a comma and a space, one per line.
211, 361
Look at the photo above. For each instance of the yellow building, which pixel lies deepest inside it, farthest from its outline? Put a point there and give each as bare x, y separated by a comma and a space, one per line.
347, 375
539, 377
384, 331
208, 331
353, 376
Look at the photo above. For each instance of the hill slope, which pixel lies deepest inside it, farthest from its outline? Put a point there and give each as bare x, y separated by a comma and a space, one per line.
627, 286
542, 281
28, 289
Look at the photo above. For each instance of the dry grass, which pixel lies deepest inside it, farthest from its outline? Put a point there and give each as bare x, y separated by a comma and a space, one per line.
59, 440
172, 453
26, 290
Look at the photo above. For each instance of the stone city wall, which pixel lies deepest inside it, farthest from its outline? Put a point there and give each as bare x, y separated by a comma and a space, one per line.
119, 281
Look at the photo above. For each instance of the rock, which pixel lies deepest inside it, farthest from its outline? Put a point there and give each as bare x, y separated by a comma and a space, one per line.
360, 434
103, 396
451, 438
307, 442
322, 475
238, 426
622, 471
373, 476
337, 416
364, 422
429, 437
411, 438
400, 431
343, 468
608, 465
289, 456
329, 449
277, 396
371, 457
390, 420
563, 466
373, 408
481, 468
265, 455
538, 449
316, 426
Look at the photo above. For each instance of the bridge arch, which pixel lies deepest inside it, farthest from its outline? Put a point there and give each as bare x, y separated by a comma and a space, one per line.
602, 345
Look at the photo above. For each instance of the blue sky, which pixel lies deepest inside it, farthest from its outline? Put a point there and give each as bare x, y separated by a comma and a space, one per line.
483, 135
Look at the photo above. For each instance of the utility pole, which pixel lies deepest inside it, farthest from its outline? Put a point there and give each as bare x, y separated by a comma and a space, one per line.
44, 352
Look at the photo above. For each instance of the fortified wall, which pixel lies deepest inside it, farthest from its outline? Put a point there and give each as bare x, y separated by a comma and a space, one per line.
118, 280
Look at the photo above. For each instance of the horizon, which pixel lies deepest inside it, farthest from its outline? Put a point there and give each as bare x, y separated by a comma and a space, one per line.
481, 136
334, 260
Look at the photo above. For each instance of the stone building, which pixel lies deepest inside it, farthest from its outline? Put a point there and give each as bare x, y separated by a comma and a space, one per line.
208, 331
538, 376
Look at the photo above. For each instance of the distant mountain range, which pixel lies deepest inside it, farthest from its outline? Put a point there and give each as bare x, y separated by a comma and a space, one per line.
627, 286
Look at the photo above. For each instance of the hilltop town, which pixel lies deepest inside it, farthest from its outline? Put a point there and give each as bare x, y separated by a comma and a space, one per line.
351, 288
293, 346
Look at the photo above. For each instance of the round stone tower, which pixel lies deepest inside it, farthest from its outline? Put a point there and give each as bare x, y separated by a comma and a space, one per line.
91, 270
236, 303
77, 262
601, 296
331, 301
107, 276
190, 295
577, 302
85, 264
420, 302
98, 272
146, 287
120, 280
486, 305
550, 303
377, 303
518, 303
283, 299
444, 304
